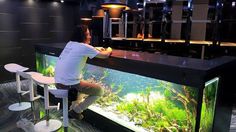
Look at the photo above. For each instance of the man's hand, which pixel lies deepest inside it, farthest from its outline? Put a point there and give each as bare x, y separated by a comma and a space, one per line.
109, 49
104, 53
100, 48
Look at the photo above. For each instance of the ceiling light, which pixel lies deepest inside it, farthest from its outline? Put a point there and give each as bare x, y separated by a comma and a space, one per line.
113, 4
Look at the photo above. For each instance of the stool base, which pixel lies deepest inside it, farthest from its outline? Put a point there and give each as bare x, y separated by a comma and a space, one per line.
19, 106
42, 127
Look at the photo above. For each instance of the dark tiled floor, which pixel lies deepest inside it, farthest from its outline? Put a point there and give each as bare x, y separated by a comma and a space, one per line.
8, 119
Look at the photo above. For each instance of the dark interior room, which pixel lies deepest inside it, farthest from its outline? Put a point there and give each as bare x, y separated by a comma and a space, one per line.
117, 65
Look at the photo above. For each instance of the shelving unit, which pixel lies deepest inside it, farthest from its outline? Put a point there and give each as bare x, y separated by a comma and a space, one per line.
185, 28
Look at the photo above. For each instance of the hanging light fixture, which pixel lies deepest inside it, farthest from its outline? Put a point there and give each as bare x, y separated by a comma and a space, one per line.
99, 11
108, 4
85, 13
131, 5
115, 12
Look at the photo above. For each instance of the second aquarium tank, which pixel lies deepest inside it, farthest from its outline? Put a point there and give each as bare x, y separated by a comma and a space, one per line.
142, 103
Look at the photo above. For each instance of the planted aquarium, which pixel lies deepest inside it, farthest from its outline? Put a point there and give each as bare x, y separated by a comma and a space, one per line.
142, 103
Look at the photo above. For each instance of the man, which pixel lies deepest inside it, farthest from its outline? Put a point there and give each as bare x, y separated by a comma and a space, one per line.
69, 67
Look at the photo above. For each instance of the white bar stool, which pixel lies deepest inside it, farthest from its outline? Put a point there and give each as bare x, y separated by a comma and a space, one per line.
28, 75
62, 93
14, 68
47, 125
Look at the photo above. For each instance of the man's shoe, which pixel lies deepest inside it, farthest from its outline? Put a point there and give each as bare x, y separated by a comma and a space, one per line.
73, 115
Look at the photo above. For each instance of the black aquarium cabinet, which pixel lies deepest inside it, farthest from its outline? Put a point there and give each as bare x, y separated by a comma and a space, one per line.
152, 92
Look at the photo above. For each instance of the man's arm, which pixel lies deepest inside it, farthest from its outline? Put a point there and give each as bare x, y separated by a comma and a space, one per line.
104, 53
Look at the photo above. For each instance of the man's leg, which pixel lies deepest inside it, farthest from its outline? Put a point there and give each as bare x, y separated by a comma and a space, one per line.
72, 93
93, 91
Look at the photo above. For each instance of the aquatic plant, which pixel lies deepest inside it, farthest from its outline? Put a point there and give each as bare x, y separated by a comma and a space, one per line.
39, 63
160, 116
160, 113
105, 74
206, 118
185, 98
44, 66
208, 105
49, 71
109, 96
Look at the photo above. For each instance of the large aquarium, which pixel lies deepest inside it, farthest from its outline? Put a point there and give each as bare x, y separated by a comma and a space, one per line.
142, 103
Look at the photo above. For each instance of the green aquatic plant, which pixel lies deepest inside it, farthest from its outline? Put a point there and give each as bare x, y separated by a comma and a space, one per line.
110, 96
105, 74
49, 71
112, 85
146, 94
160, 116
210, 94
172, 113
185, 97
39, 62
206, 118
44, 66
208, 106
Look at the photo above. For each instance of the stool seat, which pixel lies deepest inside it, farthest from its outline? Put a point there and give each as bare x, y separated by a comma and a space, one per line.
59, 93
34, 73
12, 67
43, 79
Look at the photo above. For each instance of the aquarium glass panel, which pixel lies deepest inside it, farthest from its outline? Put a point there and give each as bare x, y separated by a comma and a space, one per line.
208, 105
137, 102
46, 64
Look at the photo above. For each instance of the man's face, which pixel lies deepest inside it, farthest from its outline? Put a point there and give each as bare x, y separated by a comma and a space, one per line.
87, 37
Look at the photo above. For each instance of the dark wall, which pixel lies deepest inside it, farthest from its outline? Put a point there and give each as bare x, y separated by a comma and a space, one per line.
24, 23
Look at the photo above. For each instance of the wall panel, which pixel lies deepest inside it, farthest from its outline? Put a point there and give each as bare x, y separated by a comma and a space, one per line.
24, 23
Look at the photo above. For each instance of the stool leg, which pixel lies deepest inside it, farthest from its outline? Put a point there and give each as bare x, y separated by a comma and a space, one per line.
19, 96
46, 103
65, 129
47, 117
32, 106
32, 110
48, 124
65, 113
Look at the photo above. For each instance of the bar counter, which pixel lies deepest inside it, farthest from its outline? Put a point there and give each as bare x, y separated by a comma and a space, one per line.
194, 73
171, 68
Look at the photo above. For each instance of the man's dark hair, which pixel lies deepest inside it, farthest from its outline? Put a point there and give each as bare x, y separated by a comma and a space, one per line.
79, 34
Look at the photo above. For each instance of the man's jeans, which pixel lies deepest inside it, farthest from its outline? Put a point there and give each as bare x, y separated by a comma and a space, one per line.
77, 93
